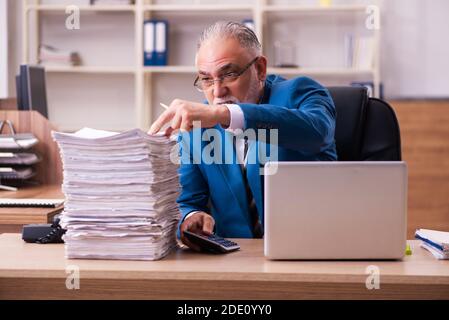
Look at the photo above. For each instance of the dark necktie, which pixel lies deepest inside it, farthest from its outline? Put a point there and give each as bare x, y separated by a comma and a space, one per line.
252, 208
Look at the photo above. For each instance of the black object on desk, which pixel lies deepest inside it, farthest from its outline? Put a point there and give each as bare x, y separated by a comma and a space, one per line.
44, 233
212, 243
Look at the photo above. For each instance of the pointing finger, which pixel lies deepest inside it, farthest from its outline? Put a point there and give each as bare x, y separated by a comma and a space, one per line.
165, 117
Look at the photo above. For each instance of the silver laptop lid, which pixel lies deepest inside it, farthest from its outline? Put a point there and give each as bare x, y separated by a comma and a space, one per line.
335, 210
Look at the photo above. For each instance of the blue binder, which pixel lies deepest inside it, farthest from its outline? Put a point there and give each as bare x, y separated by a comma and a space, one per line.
249, 23
155, 42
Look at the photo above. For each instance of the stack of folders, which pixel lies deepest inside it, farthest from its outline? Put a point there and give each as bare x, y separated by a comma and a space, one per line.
437, 242
120, 194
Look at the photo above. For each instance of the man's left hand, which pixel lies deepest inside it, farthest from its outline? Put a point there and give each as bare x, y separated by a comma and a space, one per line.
182, 113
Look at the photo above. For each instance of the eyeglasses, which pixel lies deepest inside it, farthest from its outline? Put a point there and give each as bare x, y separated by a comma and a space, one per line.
204, 84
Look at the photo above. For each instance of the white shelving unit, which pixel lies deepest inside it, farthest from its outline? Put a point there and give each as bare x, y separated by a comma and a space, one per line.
154, 84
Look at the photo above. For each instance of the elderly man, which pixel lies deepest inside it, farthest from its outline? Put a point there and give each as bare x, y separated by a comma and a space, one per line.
228, 197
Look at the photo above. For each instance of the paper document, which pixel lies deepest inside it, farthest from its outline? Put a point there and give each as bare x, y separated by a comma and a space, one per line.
436, 242
120, 194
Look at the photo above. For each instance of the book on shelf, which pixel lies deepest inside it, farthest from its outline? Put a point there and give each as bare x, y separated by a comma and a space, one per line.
51, 56
359, 52
155, 35
349, 50
249, 23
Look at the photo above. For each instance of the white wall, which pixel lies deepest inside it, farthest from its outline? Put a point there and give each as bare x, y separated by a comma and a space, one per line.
14, 42
415, 54
3, 50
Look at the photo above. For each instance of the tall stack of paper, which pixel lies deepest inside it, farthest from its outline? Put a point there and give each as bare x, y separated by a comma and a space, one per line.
437, 242
120, 191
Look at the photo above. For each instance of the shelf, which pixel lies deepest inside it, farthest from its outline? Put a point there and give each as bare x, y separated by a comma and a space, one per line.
89, 69
320, 71
169, 69
193, 70
197, 8
49, 7
204, 8
125, 70
187, 20
312, 9
271, 70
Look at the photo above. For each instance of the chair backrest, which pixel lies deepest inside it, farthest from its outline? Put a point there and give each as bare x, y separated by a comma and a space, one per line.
366, 129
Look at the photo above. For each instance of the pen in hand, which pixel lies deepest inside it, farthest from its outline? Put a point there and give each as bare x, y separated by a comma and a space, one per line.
166, 108
169, 130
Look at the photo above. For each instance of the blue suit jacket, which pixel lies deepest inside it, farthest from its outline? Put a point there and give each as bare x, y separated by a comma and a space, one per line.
304, 114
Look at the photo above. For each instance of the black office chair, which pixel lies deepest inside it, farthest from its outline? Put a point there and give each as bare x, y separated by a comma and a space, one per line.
367, 128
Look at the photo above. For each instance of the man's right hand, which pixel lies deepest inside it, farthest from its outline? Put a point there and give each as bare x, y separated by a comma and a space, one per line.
200, 223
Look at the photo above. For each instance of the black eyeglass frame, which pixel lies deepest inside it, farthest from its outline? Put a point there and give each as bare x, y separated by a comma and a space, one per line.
222, 78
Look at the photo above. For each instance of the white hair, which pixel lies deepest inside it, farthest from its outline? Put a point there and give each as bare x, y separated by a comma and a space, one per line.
228, 29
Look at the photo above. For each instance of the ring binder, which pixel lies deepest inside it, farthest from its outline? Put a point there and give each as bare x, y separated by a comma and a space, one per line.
155, 42
44, 203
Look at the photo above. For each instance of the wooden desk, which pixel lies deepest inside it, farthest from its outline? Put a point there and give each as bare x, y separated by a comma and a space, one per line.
13, 219
38, 272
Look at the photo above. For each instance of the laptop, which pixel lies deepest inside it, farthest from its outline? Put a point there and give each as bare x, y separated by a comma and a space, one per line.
335, 210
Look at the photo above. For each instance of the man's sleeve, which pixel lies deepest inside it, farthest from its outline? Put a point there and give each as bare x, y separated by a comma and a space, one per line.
237, 121
194, 194
306, 125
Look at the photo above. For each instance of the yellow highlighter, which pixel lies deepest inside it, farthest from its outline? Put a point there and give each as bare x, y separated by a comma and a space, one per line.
408, 250
325, 3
